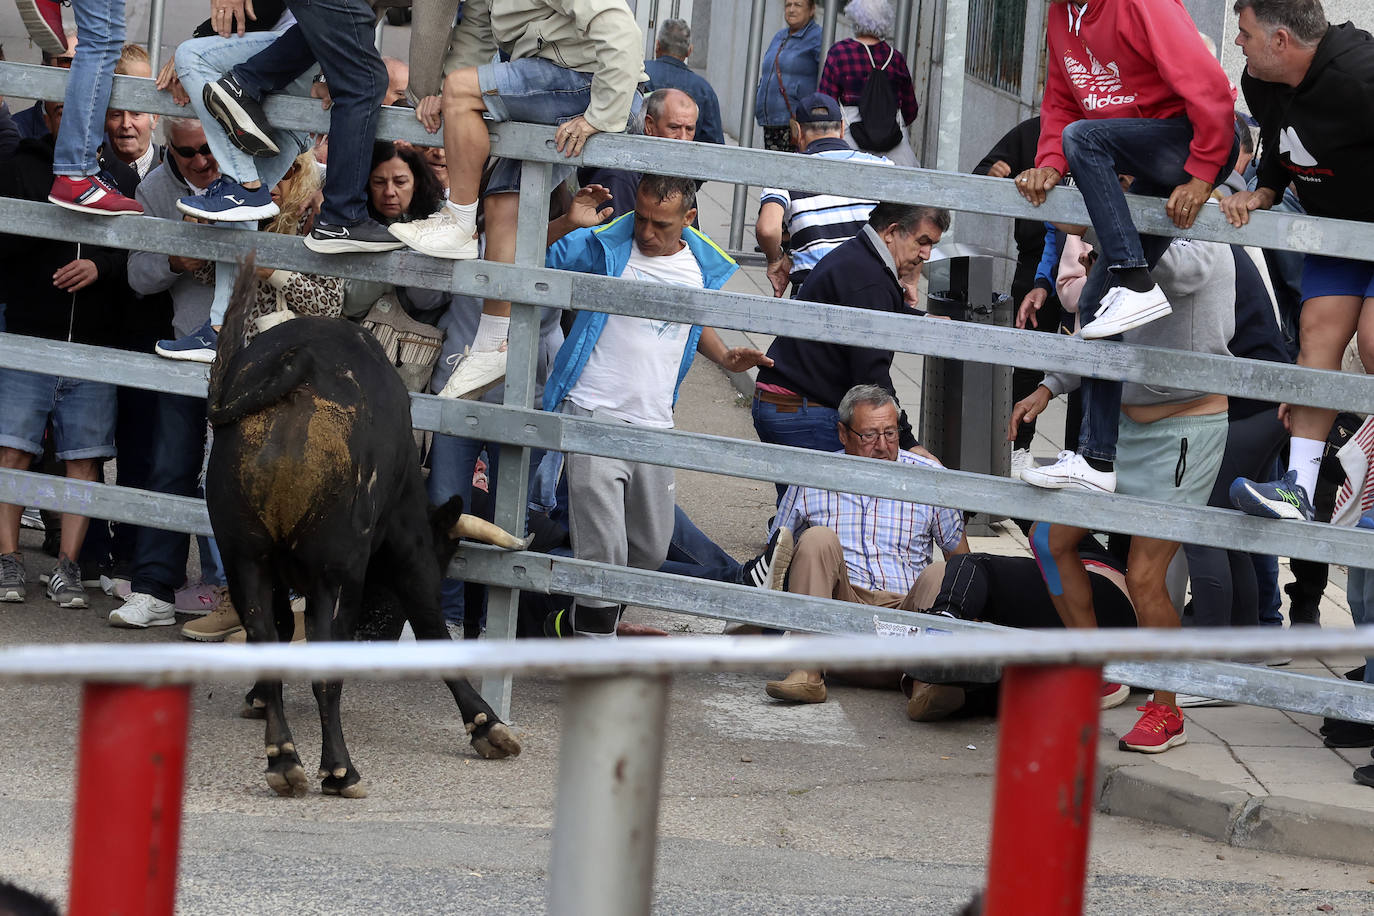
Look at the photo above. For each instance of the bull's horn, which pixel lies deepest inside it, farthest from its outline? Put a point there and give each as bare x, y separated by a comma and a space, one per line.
478, 529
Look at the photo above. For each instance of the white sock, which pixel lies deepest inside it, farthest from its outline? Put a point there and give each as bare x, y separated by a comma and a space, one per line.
492, 331
1305, 457
467, 216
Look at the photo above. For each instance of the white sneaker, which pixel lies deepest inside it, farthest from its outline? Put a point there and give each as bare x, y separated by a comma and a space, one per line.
1020, 460
1070, 472
478, 372
1123, 309
141, 611
438, 236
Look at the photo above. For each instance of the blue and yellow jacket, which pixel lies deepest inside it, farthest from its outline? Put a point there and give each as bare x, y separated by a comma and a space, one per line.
605, 250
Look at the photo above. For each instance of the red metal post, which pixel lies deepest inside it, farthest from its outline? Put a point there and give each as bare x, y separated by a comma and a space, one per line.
126, 829
1043, 802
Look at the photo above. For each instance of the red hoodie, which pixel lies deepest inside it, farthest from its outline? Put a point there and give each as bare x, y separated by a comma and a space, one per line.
1134, 59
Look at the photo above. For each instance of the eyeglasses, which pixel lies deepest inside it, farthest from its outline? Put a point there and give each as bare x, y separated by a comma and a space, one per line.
190, 152
888, 435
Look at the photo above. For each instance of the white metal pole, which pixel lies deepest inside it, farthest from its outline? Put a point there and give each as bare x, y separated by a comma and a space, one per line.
605, 828
155, 13
952, 85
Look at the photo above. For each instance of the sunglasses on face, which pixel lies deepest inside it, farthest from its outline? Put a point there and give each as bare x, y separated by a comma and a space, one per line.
190, 152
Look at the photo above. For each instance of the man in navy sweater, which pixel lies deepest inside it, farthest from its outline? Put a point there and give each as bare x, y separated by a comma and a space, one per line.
809, 377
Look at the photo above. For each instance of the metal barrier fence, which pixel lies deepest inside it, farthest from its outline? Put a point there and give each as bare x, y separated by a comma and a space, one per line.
617, 694
528, 284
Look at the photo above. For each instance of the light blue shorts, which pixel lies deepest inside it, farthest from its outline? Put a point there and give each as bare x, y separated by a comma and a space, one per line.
1174, 460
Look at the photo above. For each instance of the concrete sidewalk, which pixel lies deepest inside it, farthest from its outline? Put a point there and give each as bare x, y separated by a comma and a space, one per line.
1250, 776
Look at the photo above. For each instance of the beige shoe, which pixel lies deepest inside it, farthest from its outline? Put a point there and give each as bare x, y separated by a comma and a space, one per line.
217, 625
932, 702
298, 611
800, 687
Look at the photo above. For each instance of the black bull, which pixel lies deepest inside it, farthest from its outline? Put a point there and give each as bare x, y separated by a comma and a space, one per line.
314, 486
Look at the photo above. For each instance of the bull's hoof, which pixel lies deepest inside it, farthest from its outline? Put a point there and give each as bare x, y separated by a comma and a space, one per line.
344, 782
493, 740
253, 709
285, 775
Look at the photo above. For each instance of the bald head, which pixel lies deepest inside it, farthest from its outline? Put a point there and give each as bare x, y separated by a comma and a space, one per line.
670, 113
397, 78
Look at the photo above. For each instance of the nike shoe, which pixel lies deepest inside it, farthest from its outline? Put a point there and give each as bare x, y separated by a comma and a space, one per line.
1158, 730
227, 201
43, 22
1125, 309
1113, 695
240, 115
92, 194
1282, 498
365, 237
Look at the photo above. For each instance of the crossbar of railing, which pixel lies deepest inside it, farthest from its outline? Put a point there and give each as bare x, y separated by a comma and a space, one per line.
741, 311
169, 663
1278, 230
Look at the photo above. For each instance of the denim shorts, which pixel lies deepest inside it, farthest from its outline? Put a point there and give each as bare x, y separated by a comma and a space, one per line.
536, 91
1174, 460
83, 414
1327, 276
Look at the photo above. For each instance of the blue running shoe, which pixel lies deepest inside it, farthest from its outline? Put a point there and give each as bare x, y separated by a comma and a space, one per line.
197, 347
1277, 499
1366, 520
227, 201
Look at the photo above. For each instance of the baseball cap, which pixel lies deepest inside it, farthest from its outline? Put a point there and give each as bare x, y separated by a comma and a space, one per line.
818, 107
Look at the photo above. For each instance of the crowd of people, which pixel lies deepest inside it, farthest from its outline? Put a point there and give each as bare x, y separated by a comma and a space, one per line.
1134, 101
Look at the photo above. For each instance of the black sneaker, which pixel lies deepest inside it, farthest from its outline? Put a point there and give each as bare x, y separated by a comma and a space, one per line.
1348, 734
1365, 775
64, 585
558, 625
367, 236
240, 115
12, 580
768, 570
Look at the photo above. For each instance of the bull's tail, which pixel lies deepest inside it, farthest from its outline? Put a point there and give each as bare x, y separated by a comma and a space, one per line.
239, 387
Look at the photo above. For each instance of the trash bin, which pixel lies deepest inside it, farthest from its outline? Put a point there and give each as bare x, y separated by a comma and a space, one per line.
965, 406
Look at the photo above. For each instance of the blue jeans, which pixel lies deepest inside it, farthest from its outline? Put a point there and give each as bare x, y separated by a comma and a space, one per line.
204, 60
692, 553
100, 35
82, 413
537, 91
808, 426
160, 556
1154, 151
338, 34
1359, 592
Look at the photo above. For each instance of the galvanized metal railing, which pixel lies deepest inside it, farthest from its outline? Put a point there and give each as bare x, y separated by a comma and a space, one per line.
617, 694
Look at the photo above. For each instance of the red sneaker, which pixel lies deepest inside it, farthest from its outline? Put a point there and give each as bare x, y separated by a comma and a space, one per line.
43, 20
1158, 730
91, 195
1113, 695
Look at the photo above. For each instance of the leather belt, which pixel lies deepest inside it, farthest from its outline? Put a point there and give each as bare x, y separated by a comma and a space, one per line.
785, 403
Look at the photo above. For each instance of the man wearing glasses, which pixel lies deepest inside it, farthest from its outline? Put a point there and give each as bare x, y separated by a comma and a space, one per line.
863, 549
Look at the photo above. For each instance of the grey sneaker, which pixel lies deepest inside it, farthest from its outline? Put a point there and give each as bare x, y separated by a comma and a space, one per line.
367, 236
11, 577
64, 584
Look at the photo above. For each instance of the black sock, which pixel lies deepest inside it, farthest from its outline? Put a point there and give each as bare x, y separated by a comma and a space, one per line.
1100, 464
1133, 278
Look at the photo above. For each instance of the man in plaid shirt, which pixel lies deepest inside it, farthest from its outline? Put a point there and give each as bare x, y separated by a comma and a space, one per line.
864, 549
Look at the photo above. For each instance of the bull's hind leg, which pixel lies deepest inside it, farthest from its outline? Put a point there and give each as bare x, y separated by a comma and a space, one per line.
254, 595
331, 611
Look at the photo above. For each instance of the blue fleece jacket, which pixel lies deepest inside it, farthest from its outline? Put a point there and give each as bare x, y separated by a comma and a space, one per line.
605, 250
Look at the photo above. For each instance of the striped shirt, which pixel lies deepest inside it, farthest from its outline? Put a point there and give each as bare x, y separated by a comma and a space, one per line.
887, 542
820, 223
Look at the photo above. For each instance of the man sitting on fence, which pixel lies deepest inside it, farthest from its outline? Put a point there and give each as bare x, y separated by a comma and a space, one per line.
576, 64
623, 370
864, 549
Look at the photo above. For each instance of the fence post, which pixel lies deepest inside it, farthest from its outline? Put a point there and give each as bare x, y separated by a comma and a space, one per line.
1043, 803
605, 828
131, 764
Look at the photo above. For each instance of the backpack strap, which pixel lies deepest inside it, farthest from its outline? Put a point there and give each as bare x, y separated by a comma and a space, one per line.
874, 64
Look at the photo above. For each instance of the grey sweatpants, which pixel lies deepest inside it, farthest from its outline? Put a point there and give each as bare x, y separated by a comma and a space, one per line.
620, 512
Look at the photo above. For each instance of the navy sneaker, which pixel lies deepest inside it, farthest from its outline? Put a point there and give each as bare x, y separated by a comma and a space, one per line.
197, 347
1277, 499
367, 236
240, 115
227, 201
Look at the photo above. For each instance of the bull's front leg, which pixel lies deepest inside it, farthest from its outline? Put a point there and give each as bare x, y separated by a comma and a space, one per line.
337, 775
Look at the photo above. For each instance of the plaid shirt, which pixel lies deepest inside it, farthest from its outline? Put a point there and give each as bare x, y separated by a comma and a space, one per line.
887, 542
846, 73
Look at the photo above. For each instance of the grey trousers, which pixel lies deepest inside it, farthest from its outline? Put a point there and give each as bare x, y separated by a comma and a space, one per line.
620, 512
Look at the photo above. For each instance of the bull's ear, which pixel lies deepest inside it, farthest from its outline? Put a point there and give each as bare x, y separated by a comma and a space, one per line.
443, 518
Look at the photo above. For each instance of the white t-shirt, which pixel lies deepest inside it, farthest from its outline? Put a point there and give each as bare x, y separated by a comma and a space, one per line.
632, 371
